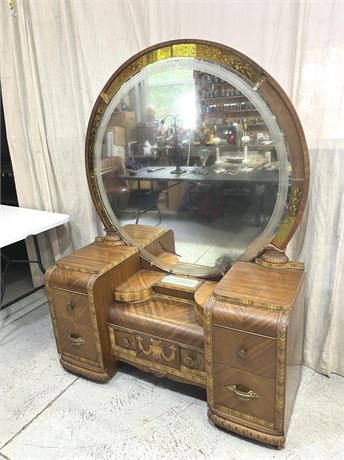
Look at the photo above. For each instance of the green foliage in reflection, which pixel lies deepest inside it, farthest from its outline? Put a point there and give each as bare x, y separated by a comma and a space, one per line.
165, 99
166, 88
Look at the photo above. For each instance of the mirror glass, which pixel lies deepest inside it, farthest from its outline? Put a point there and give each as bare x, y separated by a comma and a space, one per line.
191, 146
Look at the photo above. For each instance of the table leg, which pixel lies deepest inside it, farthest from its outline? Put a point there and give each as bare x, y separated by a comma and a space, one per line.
38, 254
39, 262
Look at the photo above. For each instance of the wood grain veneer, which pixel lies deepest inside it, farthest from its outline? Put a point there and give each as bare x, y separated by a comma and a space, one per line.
263, 408
68, 280
256, 347
144, 234
138, 286
69, 331
250, 319
294, 357
95, 271
172, 319
71, 306
247, 331
251, 284
245, 351
96, 258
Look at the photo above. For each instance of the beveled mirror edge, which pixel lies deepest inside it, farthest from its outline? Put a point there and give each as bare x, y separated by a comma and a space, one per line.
234, 60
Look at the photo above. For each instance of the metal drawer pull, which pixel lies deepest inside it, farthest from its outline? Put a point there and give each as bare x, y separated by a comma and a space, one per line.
125, 342
69, 307
242, 353
189, 362
245, 396
77, 341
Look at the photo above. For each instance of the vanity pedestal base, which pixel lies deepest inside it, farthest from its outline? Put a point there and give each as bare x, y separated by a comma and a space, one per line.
253, 349
240, 338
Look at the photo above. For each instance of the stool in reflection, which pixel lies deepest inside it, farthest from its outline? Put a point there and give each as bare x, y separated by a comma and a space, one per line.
147, 198
246, 195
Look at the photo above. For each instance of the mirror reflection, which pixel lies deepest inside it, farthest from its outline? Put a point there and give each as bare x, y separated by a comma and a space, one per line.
187, 150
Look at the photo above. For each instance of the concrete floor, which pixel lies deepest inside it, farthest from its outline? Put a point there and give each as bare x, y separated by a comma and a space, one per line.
47, 413
226, 237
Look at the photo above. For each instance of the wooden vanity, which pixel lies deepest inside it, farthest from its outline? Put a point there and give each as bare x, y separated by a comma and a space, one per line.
234, 328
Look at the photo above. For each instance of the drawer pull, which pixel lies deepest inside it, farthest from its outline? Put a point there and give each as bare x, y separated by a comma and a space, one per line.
125, 342
69, 307
77, 341
243, 395
189, 362
242, 353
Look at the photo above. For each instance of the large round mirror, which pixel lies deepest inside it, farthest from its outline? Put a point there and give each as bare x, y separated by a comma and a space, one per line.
194, 137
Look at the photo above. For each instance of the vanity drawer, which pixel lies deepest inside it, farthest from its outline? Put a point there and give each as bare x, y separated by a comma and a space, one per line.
71, 306
143, 346
245, 351
77, 340
245, 393
192, 359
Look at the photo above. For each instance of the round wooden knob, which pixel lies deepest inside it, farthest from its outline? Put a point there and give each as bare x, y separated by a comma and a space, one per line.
242, 353
69, 307
125, 342
189, 362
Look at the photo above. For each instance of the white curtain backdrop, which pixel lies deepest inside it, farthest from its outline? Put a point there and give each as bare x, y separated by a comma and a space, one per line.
56, 56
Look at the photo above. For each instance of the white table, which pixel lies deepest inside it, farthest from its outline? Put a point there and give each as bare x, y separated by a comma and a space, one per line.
16, 224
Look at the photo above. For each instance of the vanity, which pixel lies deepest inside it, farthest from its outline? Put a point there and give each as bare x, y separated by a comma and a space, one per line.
198, 168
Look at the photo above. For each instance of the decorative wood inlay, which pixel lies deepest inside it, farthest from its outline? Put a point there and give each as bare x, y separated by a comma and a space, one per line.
281, 266
290, 218
274, 440
208, 349
201, 297
281, 370
243, 416
274, 257
131, 357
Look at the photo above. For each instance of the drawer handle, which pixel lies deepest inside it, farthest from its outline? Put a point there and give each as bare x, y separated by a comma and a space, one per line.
77, 341
69, 307
243, 395
189, 362
242, 353
125, 342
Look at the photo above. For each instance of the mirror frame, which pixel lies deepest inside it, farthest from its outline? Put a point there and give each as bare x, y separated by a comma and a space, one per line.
259, 79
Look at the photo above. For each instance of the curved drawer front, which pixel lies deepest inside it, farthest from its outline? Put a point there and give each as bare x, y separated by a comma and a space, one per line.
244, 395
245, 351
71, 306
77, 341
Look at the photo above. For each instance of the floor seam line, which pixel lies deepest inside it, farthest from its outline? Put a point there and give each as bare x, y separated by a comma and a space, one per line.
4, 456
37, 415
